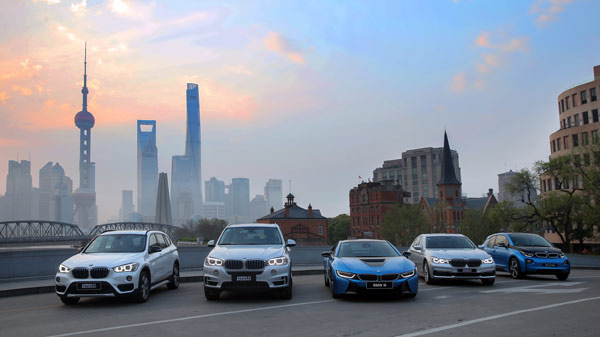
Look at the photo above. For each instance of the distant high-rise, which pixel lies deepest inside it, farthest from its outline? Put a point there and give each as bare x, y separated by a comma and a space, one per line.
214, 210
274, 194
50, 176
215, 190
86, 211
517, 198
258, 207
186, 170
62, 201
240, 200
18, 198
126, 204
163, 204
147, 168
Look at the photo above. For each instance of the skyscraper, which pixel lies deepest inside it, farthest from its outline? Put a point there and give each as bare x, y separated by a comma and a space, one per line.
258, 207
163, 204
49, 177
240, 200
18, 198
147, 168
86, 211
62, 201
181, 189
274, 194
126, 204
215, 190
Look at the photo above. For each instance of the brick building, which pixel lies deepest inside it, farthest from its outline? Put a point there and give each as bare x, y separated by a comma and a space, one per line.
306, 226
369, 202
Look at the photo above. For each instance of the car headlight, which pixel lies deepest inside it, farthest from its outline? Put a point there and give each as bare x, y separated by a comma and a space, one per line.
211, 261
278, 261
439, 260
63, 269
527, 254
408, 274
488, 260
126, 268
344, 274
561, 255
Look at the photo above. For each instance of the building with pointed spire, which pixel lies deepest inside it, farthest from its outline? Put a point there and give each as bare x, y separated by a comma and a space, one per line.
163, 204
86, 211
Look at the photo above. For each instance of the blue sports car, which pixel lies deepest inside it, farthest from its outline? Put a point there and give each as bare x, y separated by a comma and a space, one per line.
369, 266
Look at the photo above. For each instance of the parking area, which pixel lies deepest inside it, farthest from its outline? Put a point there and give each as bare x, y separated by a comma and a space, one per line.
536, 306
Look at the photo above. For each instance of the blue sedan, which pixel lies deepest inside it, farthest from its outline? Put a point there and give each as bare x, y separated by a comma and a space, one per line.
369, 266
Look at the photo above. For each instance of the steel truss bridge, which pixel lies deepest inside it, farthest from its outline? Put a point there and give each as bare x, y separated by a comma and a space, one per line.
25, 231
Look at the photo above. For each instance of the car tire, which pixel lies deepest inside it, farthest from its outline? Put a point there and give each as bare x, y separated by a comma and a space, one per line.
211, 294
514, 268
286, 294
427, 274
69, 300
326, 279
409, 295
562, 276
142, 293
488, 281
332, 288
174, 279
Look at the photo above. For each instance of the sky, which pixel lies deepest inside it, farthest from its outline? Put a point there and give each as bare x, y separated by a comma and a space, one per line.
316, 92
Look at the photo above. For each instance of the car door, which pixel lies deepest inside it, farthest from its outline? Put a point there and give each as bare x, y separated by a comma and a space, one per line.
164, 261
488, 246
501, 251
329, 260
154, 258
416, 255
170, 252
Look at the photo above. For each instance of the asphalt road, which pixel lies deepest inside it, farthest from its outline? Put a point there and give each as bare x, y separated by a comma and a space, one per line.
538, 306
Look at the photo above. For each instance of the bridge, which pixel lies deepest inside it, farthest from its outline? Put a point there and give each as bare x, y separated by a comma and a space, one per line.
29, 231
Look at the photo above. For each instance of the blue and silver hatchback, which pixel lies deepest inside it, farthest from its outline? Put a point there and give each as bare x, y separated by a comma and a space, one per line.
525, 253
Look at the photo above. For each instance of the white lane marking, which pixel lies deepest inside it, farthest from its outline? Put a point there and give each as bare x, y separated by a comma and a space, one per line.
538, 288
188, 318
489, 318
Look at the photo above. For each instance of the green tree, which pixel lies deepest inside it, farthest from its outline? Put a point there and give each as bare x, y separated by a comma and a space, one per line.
338, 228
401, 225
206, 229
477, 225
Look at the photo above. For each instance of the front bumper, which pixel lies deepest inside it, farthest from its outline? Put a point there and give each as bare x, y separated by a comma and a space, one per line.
534, 265
400, 285
447, 271
271, 277
114, 284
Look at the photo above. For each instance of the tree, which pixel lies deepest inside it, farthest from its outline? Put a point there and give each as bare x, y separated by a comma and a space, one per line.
206, 229
338, 228
401, 225
478, 225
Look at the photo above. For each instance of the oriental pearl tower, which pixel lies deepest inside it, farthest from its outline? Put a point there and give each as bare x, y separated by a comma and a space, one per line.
86, 211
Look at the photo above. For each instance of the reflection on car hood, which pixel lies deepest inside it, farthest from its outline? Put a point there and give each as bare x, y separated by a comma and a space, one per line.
539, 249
374, 265
235, 252
466, 253
101, 259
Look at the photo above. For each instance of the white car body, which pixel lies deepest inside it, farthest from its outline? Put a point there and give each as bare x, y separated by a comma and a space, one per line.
116, 271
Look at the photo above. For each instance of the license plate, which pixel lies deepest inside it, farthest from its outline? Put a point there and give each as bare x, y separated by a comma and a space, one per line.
549, 264
88, 286
243, 278
379, 285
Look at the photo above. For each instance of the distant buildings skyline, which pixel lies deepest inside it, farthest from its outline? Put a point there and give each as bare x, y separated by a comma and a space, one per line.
147, 168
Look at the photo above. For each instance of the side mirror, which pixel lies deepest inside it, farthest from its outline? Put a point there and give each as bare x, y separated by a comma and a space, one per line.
501, 244
79, 249
211, 243
326, 254
417, 247
481, 246
406, 254
155, 249
291, 243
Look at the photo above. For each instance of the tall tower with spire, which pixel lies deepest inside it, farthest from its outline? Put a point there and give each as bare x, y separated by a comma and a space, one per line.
86, 211
450, 203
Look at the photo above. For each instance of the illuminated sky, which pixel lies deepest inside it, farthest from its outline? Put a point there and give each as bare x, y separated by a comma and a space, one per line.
317, 92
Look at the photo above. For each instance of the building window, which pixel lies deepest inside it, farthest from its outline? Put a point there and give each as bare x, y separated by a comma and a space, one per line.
553, 145
595, 115
320, 230
583, 96
558, 144
586, 119
565, 184
574, 102
586, 159
549, 184
557, 184
544, 185
565, 139
563, 124
585, 139
567, 102
576, 117
595, 136
569, 122
562, 103
575, 182
593, 94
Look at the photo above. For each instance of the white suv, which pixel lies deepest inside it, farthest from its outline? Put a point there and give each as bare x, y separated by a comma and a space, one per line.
119, 263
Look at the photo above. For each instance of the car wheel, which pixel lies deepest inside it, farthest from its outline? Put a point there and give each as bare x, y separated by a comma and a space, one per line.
332, 288
69, 300
211, 294
515, 268
427, 274
286, 294
410, 295
562, 276
143, 291
488, 281
174, 280
326, 279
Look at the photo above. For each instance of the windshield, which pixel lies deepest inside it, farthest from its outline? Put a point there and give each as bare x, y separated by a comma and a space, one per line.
532, 240
117, 243
251, 236
449, 242
367, 249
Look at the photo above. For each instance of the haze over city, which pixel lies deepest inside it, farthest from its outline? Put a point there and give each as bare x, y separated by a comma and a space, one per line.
316, 93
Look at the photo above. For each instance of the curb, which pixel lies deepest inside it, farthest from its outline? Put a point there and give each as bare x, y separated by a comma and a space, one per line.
183, 279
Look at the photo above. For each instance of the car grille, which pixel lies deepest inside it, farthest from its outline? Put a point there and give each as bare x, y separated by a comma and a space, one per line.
255, 264
367, 277
99, 272
389, 277
80, 273
546, 255
463, 262
234, 264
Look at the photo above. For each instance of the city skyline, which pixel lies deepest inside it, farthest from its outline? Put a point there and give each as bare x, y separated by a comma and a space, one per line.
318, 105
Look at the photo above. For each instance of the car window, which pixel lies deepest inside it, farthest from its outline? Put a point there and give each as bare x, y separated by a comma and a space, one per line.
448, 242
167, 240
531, 240
501, 239
117, 243
416, 241
367, 249
161, 241
250, 236
153, 241
490, 242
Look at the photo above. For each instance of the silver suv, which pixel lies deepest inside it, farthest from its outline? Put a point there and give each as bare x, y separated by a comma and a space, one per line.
252, 256
119, 263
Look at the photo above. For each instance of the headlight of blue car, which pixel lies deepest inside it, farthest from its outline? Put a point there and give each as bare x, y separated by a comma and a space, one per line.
409, 274
527, 254
345, 274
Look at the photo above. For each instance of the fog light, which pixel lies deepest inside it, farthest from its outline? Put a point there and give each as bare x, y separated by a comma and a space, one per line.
57, 279
273, 272
129, 278
216, 272
529, 261
566, 262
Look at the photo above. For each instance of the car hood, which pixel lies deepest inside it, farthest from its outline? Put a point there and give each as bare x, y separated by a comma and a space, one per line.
101, 259
375, 265
538, 249
247, 252
458, 253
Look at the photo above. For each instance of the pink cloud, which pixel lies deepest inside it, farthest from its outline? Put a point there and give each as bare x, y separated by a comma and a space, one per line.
459, 83
25, 71
4, 97
546, 11
24, 91
275, 42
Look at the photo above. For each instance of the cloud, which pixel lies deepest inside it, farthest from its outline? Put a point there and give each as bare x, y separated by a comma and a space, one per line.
279, 44
499, 46
131, 10
49, 2
483, 40
24, 91
4, 97
79, 9
546, 11
27, 70
459, 83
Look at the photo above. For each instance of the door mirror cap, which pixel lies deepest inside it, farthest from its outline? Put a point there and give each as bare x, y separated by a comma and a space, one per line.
406, 254
211, 243
417, 247
481, 246
291, 243
326, 254
155, 249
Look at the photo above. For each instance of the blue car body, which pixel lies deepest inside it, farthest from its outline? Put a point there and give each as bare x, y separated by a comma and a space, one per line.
394, 274
520, 259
